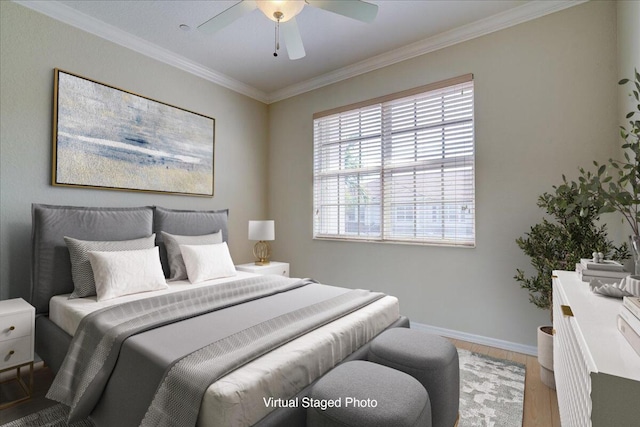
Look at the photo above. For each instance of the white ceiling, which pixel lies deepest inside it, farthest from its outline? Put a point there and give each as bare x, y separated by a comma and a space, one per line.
240, 56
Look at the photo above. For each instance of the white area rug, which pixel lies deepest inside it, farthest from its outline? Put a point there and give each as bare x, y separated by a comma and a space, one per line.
491, 391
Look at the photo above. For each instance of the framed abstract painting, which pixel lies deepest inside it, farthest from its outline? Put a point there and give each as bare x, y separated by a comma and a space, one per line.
109, 138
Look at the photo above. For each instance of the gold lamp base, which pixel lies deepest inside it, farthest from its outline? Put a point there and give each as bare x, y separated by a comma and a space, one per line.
262, 252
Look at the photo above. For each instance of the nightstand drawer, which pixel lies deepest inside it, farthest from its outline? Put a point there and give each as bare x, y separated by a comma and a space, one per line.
16, 351
274, 267
15, 326
279, 269
283, 270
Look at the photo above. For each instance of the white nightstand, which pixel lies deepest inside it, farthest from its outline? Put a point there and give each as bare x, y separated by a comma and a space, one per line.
17, 321
274, 267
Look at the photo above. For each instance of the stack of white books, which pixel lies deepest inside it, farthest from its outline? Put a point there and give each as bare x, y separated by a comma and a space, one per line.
629, 321
607, 271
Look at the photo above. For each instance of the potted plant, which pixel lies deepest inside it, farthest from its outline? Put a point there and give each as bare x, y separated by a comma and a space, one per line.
616, 185
558, 243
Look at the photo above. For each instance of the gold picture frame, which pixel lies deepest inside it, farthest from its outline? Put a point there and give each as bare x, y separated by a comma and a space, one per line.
110, 138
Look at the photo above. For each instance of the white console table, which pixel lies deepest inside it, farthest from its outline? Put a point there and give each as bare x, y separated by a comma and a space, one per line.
597, 372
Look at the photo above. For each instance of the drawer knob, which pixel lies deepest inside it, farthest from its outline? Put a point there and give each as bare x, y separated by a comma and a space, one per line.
11, 328
11, 352
566, 310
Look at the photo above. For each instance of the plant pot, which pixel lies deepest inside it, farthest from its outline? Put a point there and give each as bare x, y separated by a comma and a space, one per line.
545, 356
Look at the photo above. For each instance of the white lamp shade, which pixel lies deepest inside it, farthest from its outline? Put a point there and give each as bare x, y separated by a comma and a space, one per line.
262, 230
288, 8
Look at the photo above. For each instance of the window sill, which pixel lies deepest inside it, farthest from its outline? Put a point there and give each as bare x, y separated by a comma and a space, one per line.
396, 242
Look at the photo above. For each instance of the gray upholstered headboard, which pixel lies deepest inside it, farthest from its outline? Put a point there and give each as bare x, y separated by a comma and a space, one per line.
50, 261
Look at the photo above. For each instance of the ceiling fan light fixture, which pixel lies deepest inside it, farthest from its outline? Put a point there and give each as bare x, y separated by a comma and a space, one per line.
284, 12
285, 9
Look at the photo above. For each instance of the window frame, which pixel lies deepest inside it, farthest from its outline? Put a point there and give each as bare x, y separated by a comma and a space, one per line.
386, 213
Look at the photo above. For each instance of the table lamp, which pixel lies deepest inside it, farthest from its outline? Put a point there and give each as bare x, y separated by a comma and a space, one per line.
263, 231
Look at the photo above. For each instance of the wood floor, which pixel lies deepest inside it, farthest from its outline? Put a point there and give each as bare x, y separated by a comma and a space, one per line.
42, 379
540, 402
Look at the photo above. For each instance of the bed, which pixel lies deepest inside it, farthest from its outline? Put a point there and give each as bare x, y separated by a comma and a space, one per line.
310, 327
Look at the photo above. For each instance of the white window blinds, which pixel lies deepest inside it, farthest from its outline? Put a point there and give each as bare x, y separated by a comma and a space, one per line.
398, 168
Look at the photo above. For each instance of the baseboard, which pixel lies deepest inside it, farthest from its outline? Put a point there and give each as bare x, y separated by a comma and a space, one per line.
477, 339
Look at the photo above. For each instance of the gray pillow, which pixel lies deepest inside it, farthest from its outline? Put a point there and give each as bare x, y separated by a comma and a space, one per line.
186, 223
174, 255
84, 284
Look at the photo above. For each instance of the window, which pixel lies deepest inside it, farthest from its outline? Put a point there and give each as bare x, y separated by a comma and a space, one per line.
398, 168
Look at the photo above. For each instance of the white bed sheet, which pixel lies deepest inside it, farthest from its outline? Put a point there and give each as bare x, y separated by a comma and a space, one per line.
238, 399
67, 313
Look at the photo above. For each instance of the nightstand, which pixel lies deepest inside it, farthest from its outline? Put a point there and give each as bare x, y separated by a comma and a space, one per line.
17, 320
274, 267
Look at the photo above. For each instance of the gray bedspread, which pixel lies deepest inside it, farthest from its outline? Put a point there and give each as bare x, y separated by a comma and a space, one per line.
273, 310
96, 344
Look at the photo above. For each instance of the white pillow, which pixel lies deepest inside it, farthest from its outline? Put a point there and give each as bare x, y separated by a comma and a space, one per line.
127, 272
83, 281
174, 256
206, 262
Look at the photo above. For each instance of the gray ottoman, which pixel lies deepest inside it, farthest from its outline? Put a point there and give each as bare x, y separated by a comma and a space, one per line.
430, 359
364, 394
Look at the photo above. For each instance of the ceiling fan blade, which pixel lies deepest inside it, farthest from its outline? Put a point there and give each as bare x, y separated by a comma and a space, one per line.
292, 39
356, 9
229, 15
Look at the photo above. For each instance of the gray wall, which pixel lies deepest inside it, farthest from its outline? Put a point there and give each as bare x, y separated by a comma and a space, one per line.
628, 50
545, 103
31, 46
628, 60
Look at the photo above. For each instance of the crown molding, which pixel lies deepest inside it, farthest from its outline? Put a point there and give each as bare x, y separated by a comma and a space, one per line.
70, 16
509, 18
527, 12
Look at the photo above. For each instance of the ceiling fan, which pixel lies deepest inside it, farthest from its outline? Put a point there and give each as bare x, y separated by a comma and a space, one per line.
284, 12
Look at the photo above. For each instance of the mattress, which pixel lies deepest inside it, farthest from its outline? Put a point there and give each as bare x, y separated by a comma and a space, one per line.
67, 313
241, 397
